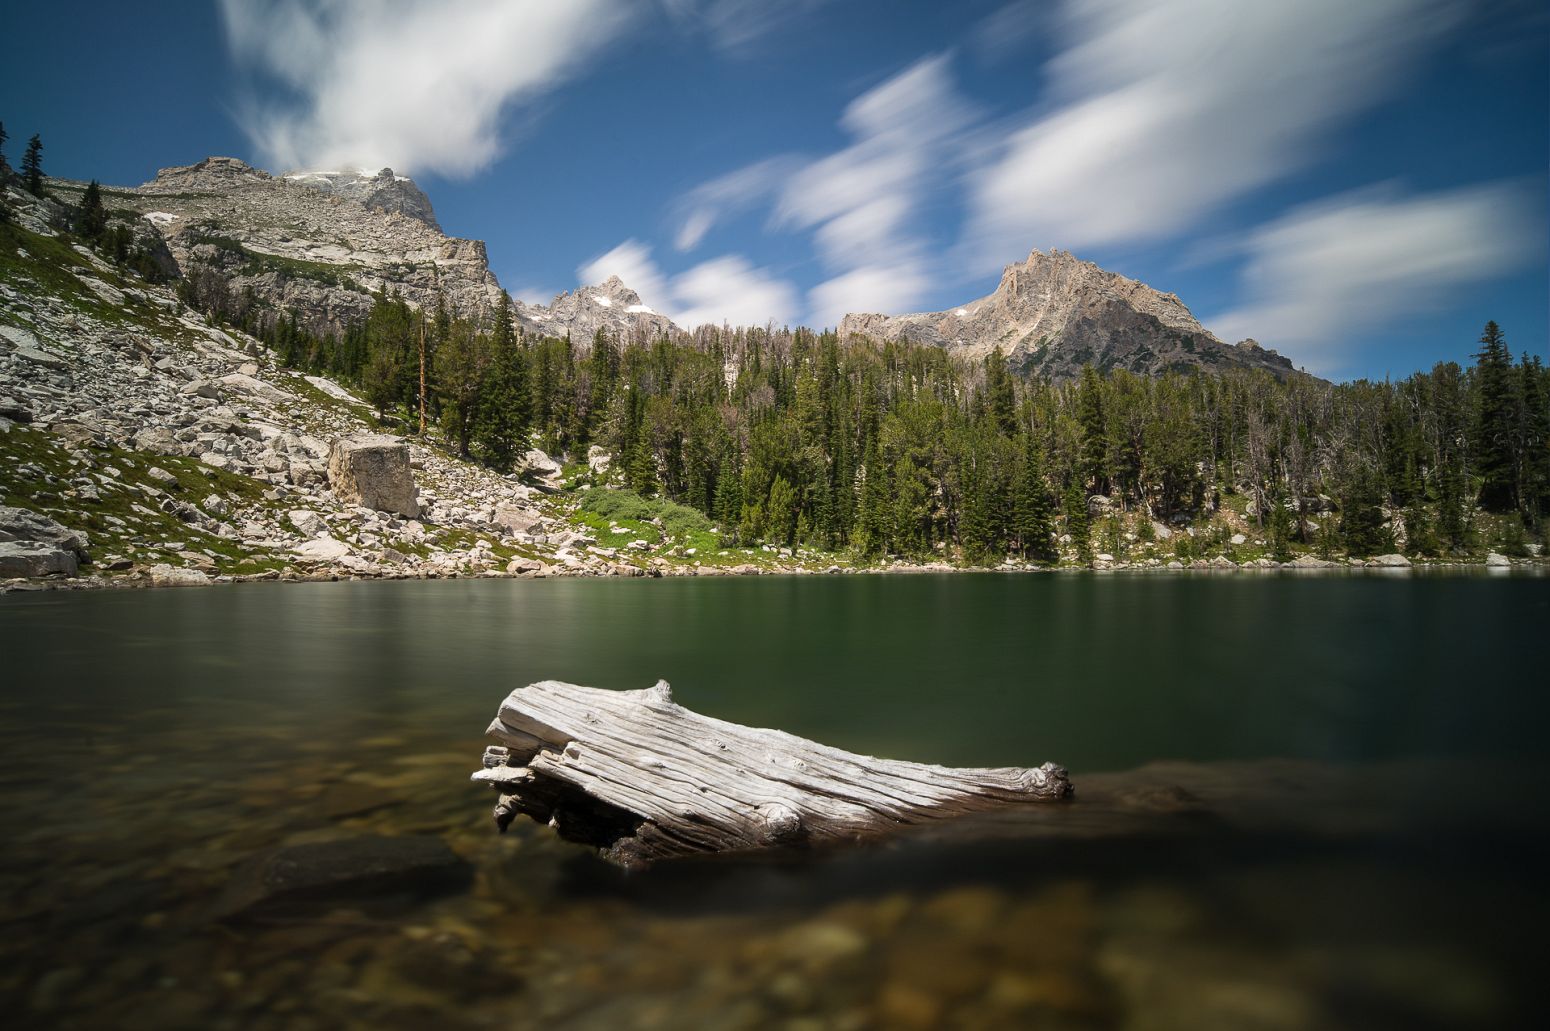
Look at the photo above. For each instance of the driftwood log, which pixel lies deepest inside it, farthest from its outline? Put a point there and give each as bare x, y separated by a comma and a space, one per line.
641, 778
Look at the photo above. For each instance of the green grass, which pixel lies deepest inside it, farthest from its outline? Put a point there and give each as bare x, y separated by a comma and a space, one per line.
38, 473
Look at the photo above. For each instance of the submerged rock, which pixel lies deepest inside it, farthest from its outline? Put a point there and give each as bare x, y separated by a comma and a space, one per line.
365, 866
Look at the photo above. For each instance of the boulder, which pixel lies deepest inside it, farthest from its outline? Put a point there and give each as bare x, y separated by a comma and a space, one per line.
539, 464
324, 549
1099, 504
373, 470
22, 526
1497, 561
1389, 562
163, 575
158, 440
598, 460
514, 518
309, 523
201, 388
30, 559
320, 873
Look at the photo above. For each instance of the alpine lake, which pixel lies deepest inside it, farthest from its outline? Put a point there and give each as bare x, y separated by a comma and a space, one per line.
1302, 801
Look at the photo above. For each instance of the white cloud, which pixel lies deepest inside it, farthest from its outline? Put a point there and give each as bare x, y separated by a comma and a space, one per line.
1168, 109
889, 288
724, 289
1320, 273
727, 196
420, 85
730, 289
734, 24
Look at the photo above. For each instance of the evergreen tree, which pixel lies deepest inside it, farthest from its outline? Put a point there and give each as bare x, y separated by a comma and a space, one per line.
461, 362
1279, 528
1032, 509
32, 166
91, 220
5, 169
1361, 516
505, 403
1495, 409
1078, 523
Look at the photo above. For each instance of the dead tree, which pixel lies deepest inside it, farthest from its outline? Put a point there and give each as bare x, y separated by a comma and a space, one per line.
641, 778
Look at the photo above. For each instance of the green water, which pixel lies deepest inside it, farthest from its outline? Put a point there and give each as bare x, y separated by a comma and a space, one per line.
157, 740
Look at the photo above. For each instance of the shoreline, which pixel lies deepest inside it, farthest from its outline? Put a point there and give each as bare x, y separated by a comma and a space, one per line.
176, 577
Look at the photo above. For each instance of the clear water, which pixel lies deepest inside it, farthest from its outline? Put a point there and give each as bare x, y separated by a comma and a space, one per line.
1302, 802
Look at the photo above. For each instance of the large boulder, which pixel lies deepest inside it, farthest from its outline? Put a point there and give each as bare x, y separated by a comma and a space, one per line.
19, 524
514, 518
373, 470
29, 559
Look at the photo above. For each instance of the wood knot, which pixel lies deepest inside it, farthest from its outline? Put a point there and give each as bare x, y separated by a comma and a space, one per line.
782, 824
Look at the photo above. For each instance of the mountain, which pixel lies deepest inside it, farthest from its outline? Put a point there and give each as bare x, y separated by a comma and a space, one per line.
321, 243
609, 306
1055, 313
378, 191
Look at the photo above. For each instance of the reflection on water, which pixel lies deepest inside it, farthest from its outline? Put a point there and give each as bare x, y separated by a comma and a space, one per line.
1383, 871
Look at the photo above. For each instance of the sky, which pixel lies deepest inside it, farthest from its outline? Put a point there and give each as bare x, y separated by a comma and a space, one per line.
1358, 185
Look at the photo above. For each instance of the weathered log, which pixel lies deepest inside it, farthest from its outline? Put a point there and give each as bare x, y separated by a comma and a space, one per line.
642, 778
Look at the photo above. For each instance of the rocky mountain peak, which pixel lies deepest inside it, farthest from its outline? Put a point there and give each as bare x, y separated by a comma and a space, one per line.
382, 190
213, 173
1055, 313
610, 306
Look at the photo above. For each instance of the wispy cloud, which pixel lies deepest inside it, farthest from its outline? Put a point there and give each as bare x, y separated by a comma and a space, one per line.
733, 25
421, 85
726, 289
1168, 109
728, 196
1324, 272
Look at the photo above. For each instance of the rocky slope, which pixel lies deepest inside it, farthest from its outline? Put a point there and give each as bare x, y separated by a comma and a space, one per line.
322, 242
313, 245
609, 306
378, 191
1055, 313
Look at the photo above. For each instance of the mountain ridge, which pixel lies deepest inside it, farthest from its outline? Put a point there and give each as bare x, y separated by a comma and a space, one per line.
1055, 313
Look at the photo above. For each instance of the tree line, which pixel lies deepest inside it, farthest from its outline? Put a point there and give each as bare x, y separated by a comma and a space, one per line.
794, 437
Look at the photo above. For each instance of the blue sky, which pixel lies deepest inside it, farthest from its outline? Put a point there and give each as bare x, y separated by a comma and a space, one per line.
1358, 185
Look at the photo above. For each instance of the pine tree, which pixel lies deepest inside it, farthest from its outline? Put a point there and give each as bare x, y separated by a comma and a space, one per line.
1279, 528
1094, 431
32, 166
461, 362
92, 218
5, 169
1495, 405
505, 403
1078, 523
1361, 516
1032, 509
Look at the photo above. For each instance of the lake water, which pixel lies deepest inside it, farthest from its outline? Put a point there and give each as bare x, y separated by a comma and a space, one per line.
1302, 802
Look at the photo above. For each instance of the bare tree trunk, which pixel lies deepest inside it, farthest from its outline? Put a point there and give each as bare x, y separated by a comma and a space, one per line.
642, 778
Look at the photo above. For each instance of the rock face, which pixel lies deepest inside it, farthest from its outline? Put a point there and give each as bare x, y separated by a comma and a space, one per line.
318, 243
373, 470
1055, 313
610, 306
378, 191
